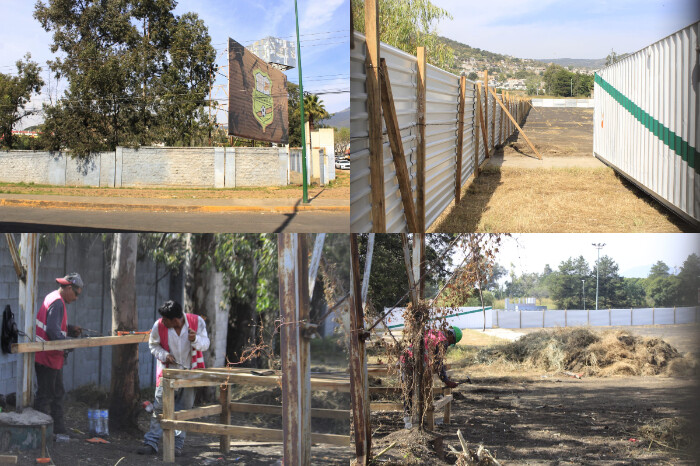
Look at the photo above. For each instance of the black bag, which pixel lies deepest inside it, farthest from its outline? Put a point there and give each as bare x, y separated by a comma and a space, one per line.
9, 330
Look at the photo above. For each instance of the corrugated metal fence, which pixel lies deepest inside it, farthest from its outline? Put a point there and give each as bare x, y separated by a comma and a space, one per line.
442, 114
646, 123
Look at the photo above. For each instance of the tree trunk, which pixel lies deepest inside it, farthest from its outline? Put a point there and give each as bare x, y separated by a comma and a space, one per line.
200, 295
124, 390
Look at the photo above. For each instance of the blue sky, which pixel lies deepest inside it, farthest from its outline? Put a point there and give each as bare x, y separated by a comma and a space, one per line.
564, 28
634, 253
323, 27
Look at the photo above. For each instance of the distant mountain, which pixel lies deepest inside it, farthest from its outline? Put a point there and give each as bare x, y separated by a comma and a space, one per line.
640, 271
339, 119
592, 63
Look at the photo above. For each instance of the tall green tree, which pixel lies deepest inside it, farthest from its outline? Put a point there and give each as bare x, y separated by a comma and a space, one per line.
137, 74
15, 92
690, 281
408, 24
565, 285
611, 290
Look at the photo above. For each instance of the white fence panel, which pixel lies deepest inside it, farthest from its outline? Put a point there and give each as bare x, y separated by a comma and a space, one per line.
663, 316
686, 315
554, 319
508, 319
646, 123
575, 318
531, 319
598, 318
620, 316
642, 316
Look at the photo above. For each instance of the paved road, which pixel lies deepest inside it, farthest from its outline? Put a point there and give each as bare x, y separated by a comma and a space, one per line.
27, 219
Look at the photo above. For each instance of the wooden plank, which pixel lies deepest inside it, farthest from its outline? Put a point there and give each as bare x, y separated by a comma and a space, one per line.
420, 144
448, 408
256, 434
442, 402
374, 112
460, 137
383, 406
392, 129
69, 343
8, 459
500, 126
225, 418
208, 377
517, 126
194, 413
493, 121
168, 413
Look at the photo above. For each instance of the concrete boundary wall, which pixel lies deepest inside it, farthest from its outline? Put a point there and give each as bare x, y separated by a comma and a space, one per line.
201, 167
564, 103
599, 318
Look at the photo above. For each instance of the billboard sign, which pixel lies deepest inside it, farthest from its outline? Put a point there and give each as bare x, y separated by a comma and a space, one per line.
257, 97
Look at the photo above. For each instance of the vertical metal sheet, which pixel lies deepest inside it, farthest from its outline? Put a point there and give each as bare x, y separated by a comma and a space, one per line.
646, 123
442, 100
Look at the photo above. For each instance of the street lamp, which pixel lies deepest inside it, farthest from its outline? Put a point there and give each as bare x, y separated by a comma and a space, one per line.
598, 246
583, 292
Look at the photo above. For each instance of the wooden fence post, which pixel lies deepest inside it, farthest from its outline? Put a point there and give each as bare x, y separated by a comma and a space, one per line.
169, 414
374, 112
476, 119
460, 137
486, 111
225, 418
483, 111
420, 148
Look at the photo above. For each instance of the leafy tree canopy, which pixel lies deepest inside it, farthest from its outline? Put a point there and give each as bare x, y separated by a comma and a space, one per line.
15, 92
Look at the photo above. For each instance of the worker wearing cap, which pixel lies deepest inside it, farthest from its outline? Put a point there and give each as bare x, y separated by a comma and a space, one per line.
435, 344
52, 325
177, 341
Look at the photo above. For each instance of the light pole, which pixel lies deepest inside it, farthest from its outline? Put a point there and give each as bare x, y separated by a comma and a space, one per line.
305, 192
598, 246
583, 292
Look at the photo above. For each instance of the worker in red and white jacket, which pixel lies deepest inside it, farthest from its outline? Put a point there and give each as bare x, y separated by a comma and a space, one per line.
177, 341
52, 325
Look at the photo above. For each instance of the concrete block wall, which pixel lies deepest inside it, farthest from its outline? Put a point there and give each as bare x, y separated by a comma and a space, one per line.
9, 294
168, 166
204, 167
85, 254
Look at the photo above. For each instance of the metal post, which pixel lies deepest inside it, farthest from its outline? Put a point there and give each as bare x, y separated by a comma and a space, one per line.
294, 350
301, 106
583, 293
598, 246
28, 288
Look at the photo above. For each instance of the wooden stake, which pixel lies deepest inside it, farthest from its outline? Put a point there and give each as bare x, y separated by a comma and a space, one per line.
225, 418
476, 124
460, 137
517, 126
493, 121
168, 414
486, 112
420, 148
392, 129
501, 127
482, 120
374, 109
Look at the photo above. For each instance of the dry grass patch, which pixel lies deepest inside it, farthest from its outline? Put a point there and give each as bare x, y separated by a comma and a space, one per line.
555, 200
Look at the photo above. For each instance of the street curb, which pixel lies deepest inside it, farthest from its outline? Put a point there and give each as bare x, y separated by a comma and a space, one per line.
286, 209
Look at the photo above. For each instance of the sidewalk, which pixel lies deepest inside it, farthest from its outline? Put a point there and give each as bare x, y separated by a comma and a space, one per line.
277, 205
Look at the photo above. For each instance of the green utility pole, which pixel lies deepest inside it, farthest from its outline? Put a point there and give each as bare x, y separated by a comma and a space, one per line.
301, 105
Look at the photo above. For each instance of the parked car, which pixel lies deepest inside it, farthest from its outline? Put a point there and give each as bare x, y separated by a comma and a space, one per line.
342, 164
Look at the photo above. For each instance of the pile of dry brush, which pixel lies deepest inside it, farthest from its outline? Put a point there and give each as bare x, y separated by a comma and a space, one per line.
615, 352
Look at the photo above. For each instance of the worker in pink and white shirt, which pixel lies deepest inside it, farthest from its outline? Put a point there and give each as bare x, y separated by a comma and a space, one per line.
177, 341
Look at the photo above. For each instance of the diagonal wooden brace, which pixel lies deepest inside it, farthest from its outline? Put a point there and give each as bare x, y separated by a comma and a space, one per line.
392, 129
516, 124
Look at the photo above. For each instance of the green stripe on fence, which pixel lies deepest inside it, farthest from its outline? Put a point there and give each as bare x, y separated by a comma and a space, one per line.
676, 143
487, 308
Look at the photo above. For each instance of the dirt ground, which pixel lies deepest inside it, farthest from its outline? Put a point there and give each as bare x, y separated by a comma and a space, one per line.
568, 191
339, 189
200, 449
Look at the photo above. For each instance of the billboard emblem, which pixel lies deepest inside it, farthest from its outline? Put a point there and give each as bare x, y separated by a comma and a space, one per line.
262, 98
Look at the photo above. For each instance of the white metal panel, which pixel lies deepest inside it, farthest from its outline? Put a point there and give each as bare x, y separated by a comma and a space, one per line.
686, 315
554, 319
646, 120
642, 317
531, 319
508, 319
576, 317
360, 198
